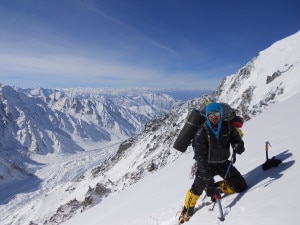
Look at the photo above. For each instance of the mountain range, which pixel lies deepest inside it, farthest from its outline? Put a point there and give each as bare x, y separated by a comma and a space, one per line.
61, 152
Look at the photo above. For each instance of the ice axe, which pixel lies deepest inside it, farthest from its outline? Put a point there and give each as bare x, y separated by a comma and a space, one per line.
273, 162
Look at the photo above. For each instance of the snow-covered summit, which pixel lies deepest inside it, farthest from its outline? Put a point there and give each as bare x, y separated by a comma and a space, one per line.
270, 77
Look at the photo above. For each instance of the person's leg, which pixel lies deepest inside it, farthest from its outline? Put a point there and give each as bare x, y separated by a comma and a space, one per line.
236, 180
191, 199
189, 206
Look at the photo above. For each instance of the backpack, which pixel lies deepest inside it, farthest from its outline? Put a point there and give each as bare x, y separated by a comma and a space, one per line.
196, 118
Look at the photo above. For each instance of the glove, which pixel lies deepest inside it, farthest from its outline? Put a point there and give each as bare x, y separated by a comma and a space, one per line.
214, 194
212, 189
239, 148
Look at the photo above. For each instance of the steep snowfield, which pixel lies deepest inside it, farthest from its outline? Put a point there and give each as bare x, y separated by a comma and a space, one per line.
272, 76
270, 199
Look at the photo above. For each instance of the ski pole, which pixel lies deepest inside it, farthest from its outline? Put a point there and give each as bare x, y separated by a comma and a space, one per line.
230, 165
221, 218
217, 197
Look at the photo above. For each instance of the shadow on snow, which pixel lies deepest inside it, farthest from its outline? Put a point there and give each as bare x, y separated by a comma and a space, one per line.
28, 183
10, 190
258, 175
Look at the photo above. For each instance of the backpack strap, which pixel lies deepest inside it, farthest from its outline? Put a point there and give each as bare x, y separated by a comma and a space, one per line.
206, 131
229, 128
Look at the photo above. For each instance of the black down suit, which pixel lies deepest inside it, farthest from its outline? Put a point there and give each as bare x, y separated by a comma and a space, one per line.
212, 157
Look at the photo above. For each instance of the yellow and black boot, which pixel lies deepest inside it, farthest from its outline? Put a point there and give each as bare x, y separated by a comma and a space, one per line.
189, 206
226, 188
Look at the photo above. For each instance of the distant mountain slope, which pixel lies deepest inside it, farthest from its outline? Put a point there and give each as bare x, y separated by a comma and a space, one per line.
66, 121
52, 121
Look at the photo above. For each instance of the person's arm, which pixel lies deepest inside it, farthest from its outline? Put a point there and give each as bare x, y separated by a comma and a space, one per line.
236, 141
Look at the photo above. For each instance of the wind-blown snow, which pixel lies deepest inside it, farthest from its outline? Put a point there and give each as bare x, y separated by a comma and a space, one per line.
270, 199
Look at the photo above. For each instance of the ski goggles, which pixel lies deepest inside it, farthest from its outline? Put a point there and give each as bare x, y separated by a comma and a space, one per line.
212, 114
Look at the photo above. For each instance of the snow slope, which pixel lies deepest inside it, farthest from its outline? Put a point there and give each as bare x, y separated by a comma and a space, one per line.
270, 77
270, 199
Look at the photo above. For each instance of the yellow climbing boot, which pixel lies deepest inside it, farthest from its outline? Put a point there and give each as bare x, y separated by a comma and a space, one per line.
226, 188
189, 206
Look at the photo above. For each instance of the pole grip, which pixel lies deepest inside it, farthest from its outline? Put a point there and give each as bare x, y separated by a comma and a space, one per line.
267, 149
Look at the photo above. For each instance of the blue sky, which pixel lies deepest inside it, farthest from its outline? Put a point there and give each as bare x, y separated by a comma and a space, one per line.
136, 43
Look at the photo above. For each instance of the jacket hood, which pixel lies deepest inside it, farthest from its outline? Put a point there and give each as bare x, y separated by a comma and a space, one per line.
214, 107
